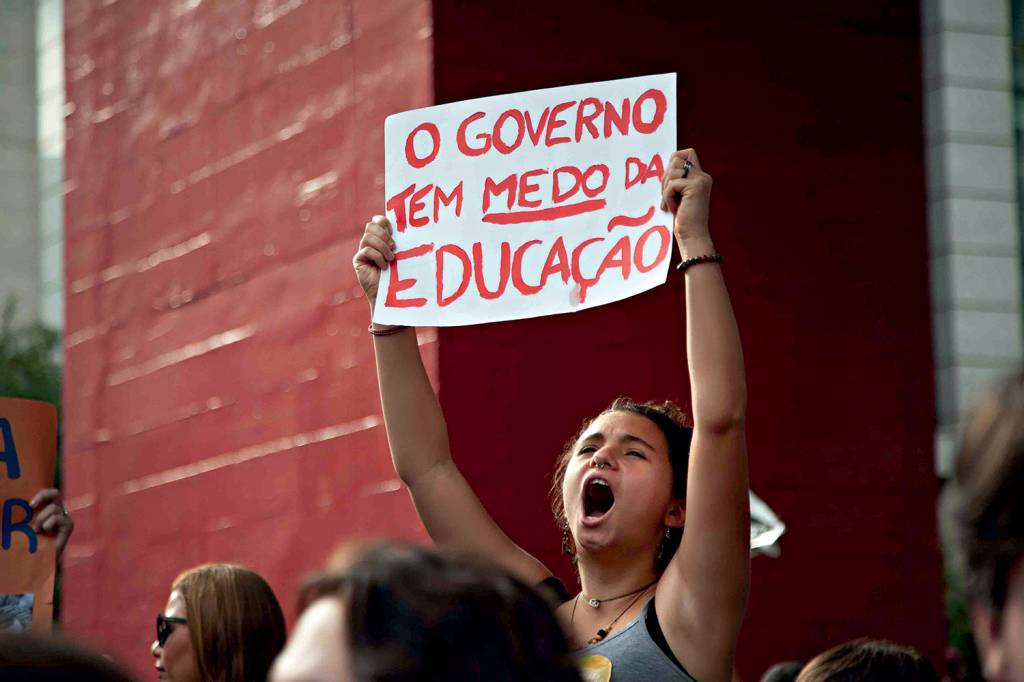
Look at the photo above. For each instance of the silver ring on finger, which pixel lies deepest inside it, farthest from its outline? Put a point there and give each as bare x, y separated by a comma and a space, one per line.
687, 166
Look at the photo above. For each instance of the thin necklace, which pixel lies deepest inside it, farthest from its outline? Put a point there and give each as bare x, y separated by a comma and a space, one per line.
597, 602
603, 632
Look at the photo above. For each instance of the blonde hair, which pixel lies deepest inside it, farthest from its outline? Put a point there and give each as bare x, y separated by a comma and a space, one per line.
235, 623
989, 505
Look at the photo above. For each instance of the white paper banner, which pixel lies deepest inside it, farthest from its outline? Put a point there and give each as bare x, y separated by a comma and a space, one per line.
527, 204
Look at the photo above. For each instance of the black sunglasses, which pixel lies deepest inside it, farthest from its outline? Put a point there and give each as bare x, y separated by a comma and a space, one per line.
163, 627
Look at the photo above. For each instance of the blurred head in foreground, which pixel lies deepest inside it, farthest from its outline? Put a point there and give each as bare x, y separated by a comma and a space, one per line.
782, 672
399, 612
867, 659
989, 518
222, 623
31, 658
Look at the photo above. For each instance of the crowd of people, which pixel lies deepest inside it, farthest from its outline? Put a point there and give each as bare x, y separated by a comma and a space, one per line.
654, 602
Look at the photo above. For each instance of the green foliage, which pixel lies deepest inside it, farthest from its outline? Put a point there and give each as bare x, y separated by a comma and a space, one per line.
28, 358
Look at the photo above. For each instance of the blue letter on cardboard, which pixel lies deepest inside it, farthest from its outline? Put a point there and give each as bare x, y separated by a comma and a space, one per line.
8, 525
9, 455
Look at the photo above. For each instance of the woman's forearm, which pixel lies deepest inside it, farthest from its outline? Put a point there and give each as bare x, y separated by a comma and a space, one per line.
417, 433
717, 383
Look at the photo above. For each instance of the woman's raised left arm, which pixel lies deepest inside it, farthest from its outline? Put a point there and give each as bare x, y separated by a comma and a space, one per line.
702, 596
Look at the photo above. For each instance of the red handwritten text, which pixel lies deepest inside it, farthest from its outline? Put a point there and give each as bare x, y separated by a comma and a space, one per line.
490, 273
408, 205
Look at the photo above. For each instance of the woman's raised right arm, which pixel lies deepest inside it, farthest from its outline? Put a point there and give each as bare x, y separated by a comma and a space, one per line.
418, 435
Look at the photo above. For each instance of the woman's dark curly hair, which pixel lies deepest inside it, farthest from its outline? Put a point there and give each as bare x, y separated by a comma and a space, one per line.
672, 422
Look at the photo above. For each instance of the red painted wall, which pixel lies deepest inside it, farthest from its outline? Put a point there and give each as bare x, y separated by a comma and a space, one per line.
809, 117
220, 396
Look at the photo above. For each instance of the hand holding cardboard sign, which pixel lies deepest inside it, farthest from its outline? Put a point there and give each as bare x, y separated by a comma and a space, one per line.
376, 250
686, 192
51, 518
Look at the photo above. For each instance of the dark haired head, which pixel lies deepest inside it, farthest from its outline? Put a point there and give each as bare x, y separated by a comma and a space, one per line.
865, 659
318, 585
783, 672
413, 613
671, 421
30, 658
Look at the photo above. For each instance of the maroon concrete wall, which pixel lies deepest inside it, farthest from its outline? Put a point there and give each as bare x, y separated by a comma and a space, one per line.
220, 397
809, 117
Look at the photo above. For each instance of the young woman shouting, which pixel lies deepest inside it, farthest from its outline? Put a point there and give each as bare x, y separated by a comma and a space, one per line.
656, 602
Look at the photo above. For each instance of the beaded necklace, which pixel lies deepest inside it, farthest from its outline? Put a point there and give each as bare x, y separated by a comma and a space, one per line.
603, 632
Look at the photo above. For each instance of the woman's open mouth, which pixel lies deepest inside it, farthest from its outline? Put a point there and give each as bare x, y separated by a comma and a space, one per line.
598, 499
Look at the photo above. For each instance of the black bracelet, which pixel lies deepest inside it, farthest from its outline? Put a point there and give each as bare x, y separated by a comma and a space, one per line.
386, 332
696, 260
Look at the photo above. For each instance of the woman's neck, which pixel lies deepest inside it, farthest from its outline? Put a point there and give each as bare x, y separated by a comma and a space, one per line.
605, 578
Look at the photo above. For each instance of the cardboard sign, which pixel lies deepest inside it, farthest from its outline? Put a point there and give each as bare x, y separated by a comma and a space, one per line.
529, 204
28, 452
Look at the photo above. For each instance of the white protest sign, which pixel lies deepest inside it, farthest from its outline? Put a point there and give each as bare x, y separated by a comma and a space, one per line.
527, 204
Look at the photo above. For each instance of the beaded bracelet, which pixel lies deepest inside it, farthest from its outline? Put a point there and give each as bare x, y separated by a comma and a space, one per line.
696, 260
385, 332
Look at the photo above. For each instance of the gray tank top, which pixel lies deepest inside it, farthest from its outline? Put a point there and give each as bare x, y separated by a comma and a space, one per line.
634, 655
